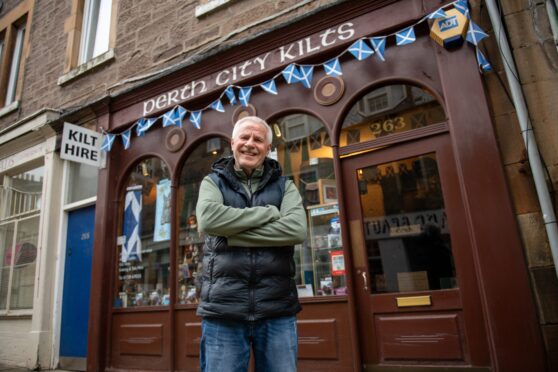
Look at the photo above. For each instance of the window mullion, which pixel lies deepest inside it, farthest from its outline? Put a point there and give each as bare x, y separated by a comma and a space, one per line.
12, 263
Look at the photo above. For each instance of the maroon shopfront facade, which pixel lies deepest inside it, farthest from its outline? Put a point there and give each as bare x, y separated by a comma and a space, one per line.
413, 258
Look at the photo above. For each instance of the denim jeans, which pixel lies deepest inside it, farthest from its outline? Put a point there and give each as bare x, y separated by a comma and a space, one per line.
225, 345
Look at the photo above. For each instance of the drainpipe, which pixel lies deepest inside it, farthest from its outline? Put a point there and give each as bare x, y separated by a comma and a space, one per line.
534, 158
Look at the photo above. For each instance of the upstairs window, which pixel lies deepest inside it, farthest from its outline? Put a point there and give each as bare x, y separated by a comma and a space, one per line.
13, 45
95, 30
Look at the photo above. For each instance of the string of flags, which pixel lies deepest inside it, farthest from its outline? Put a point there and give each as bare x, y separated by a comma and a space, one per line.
361, 49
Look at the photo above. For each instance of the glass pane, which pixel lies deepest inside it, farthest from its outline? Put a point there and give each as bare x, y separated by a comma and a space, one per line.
25, 258
301, 145
22, 193
407, 237
388, 110
190, 243
143, 268
6, 253
82, 182
14, 68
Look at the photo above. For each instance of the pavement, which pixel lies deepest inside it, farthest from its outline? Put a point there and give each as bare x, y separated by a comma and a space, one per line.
6, 368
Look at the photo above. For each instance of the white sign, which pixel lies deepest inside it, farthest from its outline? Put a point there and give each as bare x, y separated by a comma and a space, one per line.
81, 145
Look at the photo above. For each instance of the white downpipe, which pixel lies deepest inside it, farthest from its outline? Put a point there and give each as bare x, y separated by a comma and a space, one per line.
534, 158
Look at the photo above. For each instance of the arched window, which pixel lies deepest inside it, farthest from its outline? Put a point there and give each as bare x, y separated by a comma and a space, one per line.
301, 145
144, 238
190, 242
388, 110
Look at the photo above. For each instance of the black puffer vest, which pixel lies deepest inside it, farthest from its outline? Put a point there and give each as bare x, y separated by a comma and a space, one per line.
247, 283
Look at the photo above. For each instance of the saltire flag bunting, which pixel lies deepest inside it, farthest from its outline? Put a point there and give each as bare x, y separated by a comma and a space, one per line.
108, 141
290, 73
360, 50
126, 138
144, 125
305, 77
172, 118
475, 34
244, 95
333, 67
180, 113
231, 95
406, 36
484, 65
269, 86
463, 7
217, 105
439, 13
131, 250
195, 119
379, 45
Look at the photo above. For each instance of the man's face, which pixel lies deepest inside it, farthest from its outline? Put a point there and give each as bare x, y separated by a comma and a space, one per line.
250, 146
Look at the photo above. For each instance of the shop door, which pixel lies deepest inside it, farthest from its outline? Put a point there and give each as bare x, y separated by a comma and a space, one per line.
414, 281
77, 282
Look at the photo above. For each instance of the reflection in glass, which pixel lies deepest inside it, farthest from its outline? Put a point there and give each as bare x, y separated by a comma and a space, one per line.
190, 242
82, 182
143, 267
301, 145
407, 237
25, 257
388, 110
6, 254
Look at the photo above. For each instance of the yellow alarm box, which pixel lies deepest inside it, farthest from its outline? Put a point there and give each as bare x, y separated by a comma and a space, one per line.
450, 32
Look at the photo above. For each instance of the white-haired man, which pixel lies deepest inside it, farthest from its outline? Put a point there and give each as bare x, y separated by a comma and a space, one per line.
252, 217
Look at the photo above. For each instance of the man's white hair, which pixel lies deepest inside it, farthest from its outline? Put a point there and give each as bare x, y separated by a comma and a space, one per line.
255, 120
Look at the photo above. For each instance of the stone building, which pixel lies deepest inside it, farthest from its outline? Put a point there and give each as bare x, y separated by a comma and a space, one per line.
416, 154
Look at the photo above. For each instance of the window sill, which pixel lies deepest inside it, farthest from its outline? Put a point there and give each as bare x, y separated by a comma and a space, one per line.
209, 7
16, 314
86, 67
10, 108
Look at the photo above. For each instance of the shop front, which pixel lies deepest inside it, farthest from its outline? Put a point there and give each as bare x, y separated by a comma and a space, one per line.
411, 237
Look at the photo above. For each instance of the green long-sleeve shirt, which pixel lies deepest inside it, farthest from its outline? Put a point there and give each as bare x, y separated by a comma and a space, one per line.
265, 226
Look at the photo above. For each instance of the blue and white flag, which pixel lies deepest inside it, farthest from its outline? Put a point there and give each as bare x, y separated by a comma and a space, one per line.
305, 76
463, 7
484, 65
333, 67
171, 118
144, 125
108, 140
131, 250
475, 34
269, 86
291, 74
162, 211
126, 136
244, 95
218, 106
195, 119
379, 45
230, 94
360, 50
406, 36
439, 13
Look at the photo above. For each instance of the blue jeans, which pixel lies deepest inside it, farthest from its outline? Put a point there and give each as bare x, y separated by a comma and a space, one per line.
225, 345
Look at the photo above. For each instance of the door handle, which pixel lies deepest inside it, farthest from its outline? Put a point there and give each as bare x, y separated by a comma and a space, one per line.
365, 281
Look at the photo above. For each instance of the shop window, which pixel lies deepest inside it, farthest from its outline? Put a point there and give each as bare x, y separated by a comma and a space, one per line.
144, 239
407, 236
190, 242
20, 203
82, 182
301, 146
14, 28
390, 110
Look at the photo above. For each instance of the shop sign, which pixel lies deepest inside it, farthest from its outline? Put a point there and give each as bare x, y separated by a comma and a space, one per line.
81, 145
267, 61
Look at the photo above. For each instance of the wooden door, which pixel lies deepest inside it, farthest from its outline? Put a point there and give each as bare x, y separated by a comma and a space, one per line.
415, 283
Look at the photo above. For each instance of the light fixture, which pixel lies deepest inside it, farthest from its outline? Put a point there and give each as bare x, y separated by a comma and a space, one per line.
144, 169
277, 130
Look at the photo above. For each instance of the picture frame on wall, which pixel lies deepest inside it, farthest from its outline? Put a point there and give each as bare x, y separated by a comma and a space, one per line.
328, 191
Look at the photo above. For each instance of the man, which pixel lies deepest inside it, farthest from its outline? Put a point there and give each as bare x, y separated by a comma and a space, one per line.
252, 217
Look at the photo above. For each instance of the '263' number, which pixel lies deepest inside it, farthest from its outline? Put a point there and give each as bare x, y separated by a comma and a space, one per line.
388, 125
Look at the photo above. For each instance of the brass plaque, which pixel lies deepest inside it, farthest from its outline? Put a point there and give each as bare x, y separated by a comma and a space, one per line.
414, 301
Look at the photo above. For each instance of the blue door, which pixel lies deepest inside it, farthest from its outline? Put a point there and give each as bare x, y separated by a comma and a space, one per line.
77, 283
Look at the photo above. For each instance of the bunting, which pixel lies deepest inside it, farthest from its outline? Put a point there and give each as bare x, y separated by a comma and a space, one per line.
360, 49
